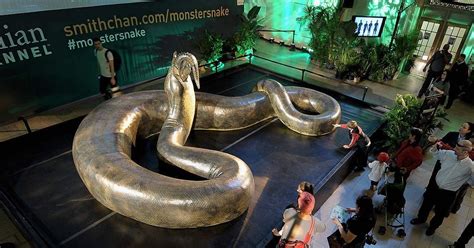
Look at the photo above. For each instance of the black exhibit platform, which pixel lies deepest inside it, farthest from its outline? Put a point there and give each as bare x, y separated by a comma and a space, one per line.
41, 186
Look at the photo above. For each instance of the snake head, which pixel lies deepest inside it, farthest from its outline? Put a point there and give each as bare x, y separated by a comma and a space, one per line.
182, 66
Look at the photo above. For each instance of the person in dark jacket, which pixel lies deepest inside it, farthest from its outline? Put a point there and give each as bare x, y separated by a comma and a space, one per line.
353, 233
465, 132
436, 63
457, 78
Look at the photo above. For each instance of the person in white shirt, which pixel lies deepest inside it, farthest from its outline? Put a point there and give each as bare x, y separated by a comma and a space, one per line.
378, 168
108, 76
300, 225
456, 169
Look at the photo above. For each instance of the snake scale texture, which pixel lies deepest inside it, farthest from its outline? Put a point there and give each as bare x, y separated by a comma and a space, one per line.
104, 140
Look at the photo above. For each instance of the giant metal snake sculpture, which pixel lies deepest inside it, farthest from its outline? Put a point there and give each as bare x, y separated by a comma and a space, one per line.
103, 142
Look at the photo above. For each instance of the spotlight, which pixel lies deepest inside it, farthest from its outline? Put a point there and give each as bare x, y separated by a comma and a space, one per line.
292, 47
271, 40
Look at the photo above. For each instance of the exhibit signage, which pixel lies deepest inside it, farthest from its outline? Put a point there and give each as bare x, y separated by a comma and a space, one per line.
47, 58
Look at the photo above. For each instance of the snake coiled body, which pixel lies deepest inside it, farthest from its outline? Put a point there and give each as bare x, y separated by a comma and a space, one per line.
102, 147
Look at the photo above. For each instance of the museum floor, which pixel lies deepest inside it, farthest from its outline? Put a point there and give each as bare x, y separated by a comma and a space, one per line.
355, 184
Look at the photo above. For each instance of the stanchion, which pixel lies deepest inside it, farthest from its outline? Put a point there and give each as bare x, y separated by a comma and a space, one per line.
25, 122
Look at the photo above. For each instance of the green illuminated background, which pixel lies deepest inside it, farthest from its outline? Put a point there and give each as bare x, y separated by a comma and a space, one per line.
280, 14
287, 15
469, 45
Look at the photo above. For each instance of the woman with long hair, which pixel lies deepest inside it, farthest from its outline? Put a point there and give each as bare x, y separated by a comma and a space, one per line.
353, 233
440, 86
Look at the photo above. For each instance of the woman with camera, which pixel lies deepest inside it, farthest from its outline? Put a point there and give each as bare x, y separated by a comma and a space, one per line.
353, 234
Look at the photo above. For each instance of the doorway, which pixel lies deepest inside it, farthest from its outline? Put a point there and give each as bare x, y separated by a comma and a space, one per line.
433, 35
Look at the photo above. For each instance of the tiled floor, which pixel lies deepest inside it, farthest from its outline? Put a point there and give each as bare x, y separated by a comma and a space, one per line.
452, 227
353, 186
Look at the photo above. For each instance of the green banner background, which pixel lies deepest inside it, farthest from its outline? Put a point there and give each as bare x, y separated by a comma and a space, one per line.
60, 74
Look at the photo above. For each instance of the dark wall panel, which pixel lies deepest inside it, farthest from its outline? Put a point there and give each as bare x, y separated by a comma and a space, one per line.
47, 59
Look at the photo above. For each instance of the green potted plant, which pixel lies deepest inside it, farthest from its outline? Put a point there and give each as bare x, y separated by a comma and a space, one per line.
410, 63
403, 49
400, 119
345, 61
210, 47
319, 20
328, 34
386, 63
380, 59
247, 34
405, 114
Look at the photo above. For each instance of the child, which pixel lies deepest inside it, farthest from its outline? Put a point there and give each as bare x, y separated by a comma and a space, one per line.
359, 140
378, 167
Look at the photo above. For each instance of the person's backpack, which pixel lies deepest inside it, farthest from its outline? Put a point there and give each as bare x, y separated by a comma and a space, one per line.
117, 59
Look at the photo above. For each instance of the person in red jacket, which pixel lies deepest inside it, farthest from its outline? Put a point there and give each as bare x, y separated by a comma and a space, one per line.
410, 154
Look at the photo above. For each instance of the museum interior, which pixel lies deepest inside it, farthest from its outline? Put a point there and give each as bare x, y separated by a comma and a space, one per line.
236, 123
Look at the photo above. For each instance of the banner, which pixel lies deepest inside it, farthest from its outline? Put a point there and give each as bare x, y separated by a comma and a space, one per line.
47, 58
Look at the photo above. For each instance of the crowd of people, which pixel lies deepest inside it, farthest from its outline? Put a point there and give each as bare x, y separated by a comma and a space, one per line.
450, 180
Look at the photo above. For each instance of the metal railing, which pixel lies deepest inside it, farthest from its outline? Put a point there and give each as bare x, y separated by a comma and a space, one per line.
215, 65
303, 71
24, 118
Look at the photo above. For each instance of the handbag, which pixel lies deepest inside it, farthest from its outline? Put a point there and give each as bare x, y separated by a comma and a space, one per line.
285, 243
335, 240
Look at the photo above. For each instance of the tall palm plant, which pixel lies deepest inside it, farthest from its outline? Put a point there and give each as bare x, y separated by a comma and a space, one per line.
328, 33
405, 46
322, 31
210, 47
246, 36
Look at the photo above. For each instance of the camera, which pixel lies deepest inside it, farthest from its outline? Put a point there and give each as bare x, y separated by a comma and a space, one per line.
369, 239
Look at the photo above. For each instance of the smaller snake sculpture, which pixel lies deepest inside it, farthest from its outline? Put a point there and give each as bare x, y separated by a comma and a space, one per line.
102, 146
